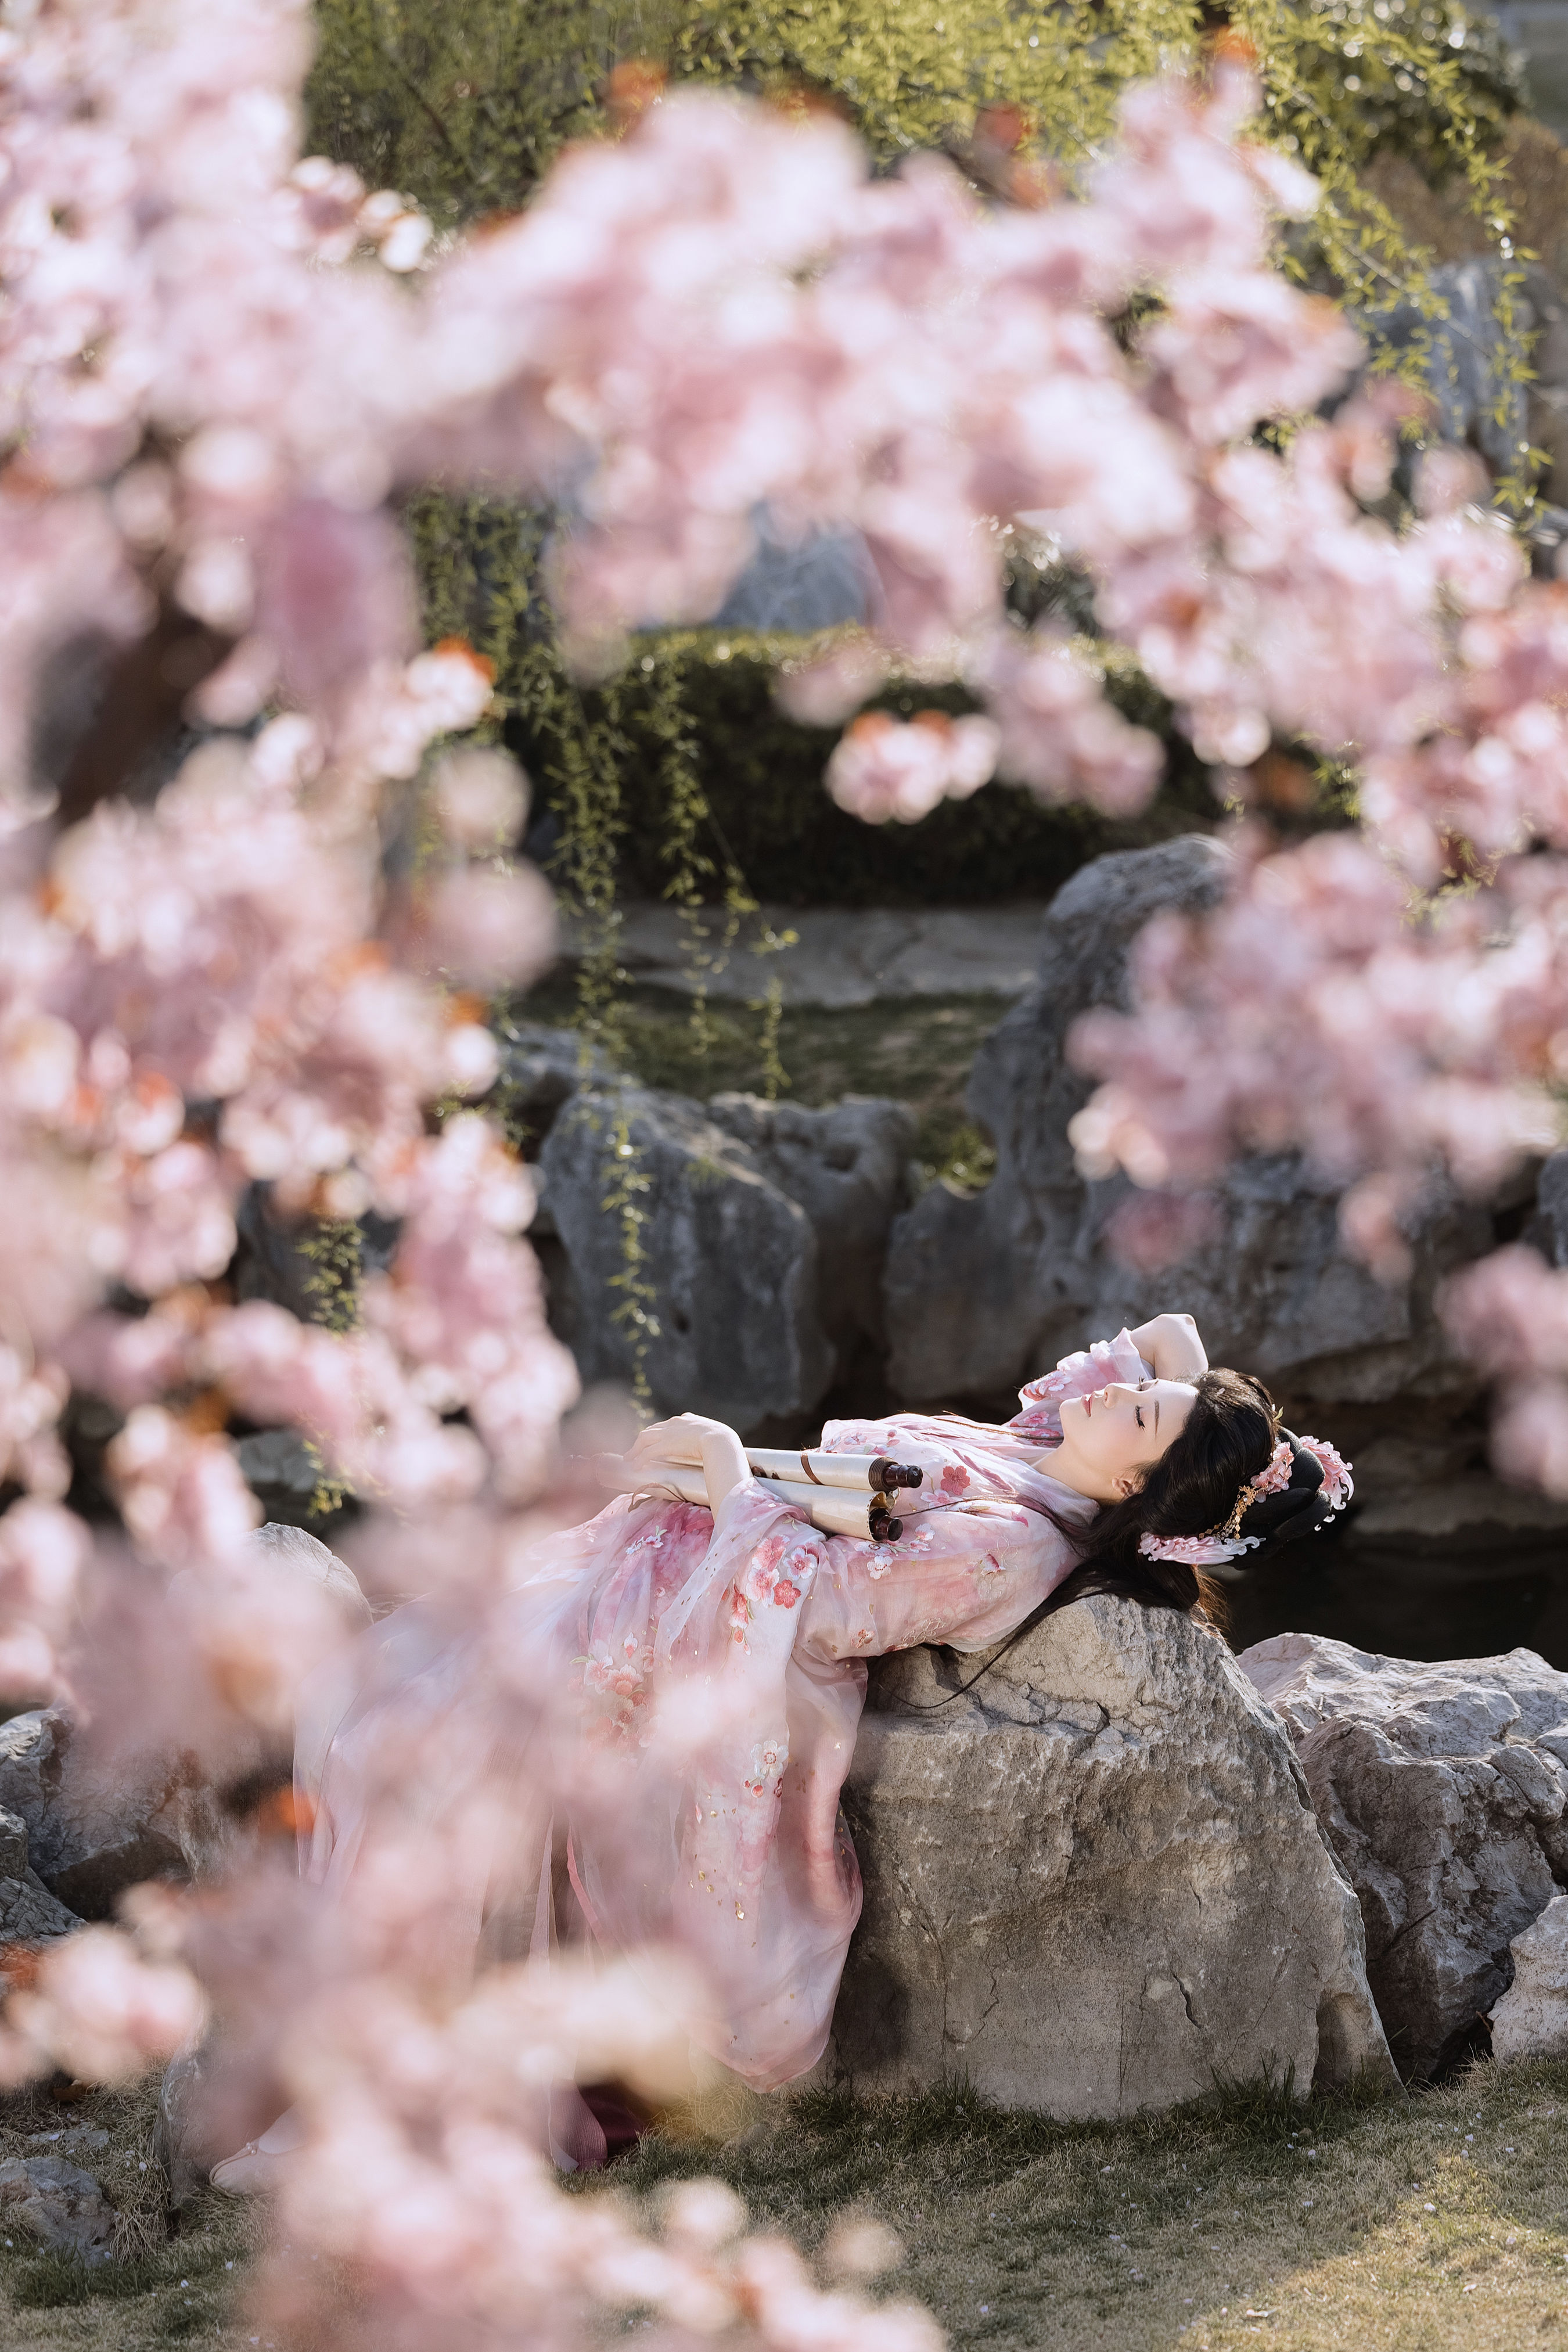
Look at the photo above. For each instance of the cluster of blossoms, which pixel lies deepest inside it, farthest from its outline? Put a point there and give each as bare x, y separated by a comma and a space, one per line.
218, 365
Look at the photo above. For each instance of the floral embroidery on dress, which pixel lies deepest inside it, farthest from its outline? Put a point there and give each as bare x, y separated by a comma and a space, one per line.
955, 1479
769, 1757
618, 1683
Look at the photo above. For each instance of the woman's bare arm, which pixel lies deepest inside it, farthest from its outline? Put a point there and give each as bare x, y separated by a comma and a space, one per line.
1171, 1345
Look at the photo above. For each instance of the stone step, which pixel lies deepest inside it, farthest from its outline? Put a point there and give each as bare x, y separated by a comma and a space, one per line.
842, 955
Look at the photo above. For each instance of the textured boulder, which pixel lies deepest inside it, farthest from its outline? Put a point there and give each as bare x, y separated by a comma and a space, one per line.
284, 1474
1095, 1884
762, 1231
29, 1913
93, 1828
63, 2208
1443, 1789
847, 1168
94, 1820
984, 1292
1530, 2020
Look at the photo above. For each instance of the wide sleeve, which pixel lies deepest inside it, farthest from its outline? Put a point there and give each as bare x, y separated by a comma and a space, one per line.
964, 1576
1041, 1401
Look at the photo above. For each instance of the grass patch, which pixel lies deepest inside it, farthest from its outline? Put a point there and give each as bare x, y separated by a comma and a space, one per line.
1416, 2223
180, 2284
915, 1050
1430, 2224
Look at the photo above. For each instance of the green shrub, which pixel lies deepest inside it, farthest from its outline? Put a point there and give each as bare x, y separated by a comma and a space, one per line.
681, 778
768, 814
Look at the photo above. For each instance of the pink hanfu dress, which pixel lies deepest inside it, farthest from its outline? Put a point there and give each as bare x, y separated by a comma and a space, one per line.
742, 1853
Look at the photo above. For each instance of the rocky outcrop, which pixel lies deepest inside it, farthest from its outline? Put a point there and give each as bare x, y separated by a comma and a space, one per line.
1444, 1791
29, 1913
841, 956
59, 2206
984, 1292
1094, 1885
762, 1229
847, 1168
95, 1827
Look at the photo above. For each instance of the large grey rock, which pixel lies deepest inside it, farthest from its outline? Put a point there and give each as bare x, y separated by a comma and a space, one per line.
1548, 1230
1443, 1789
799, 584
98, 1824
1466, 350
762, 1229
729, 1263
847, 1168
29, 1913
1095, 1884
285, 1473
1530, 2020
984, 1292
60, 2206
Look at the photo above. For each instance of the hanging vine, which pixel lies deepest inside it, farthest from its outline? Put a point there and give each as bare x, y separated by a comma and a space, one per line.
634, 1315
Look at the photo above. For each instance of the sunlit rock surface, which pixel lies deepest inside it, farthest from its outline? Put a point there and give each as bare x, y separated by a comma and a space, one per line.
1443, 1788
1530, 2020
1094, 1884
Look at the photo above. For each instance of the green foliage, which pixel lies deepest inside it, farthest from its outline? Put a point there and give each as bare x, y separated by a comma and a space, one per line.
627, 1180
912, 73
335, 1248
465, 107
757, 779
465, 103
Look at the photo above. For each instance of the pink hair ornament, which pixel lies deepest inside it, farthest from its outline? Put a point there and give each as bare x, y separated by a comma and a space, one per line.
1226, 1541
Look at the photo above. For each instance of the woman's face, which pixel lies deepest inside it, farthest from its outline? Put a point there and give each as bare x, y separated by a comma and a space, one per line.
1112, 1436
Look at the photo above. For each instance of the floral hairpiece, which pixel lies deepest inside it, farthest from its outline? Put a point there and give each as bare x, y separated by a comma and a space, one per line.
1227, 1541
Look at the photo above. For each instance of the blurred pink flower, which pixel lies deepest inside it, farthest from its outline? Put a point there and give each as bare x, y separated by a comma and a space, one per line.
883, 767
100, 2010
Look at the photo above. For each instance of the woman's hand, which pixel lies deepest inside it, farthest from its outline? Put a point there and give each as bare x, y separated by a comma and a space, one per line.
680, 1440
694, 1442
1170, 1346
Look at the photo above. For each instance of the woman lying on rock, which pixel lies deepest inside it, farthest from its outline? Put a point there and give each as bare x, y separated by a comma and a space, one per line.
1129, 1470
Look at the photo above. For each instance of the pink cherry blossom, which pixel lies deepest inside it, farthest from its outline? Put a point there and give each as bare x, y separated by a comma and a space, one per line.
221, 366
103, 2010
883, 767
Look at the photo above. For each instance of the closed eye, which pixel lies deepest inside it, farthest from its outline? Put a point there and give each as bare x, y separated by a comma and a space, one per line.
1138, 1409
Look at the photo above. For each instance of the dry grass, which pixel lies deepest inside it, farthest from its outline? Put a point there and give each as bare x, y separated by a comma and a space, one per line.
1425, 2222
166, 2289
1429, 2224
